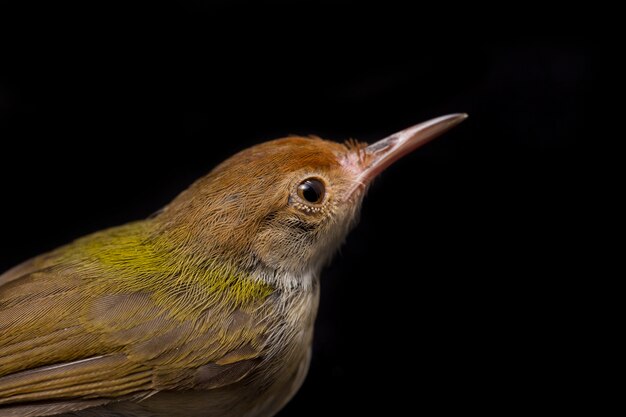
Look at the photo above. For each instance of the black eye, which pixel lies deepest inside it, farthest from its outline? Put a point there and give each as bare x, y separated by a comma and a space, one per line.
311, 190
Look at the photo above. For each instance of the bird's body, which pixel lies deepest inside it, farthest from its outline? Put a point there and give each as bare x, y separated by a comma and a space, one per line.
85, 307
205, 309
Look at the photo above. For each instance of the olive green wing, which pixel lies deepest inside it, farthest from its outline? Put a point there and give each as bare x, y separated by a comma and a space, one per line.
64, 348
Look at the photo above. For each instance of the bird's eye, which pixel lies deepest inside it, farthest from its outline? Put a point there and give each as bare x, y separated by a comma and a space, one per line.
311, 190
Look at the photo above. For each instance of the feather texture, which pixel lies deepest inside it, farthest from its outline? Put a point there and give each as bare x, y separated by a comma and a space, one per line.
85, 322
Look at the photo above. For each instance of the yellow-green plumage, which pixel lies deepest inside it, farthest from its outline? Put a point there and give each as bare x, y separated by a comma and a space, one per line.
138, 260
121, 286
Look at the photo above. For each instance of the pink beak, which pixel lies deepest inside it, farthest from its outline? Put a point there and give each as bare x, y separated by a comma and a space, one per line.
385, 152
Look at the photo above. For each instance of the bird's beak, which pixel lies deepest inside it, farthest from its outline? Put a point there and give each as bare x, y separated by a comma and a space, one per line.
385, 152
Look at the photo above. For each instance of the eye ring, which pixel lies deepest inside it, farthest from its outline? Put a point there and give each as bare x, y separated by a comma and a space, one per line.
312, 190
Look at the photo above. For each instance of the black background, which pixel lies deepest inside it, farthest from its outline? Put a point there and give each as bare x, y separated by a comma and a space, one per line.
453, 292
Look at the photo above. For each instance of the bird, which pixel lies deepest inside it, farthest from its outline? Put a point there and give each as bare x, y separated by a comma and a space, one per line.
205, 309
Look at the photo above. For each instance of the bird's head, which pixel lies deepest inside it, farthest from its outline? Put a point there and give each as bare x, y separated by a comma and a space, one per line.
286, 205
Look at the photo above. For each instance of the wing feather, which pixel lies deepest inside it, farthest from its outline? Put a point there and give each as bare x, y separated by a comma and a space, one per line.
64, 350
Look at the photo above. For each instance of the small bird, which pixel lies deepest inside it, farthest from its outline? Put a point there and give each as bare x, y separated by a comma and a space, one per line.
205, 309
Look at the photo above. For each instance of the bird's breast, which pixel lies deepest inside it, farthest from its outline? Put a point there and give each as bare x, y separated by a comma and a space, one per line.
292, 335
289, 351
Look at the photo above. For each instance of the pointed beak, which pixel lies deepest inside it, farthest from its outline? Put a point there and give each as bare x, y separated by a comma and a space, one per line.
385, 152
